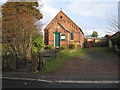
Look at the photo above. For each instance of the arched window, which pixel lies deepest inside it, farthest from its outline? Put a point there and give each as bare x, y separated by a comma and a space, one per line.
72, 35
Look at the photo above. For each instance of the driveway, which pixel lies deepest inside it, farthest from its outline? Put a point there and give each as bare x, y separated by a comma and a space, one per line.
98, 63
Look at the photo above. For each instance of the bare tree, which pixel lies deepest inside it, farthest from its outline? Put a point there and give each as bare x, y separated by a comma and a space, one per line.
18, 36
114, 25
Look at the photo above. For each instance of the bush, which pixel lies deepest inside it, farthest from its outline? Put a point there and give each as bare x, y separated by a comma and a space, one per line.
73, 46
49, 47
4, 48
116, 38
37, 44
63, 48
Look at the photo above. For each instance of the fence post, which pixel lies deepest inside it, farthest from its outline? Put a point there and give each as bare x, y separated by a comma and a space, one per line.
55, 52
34, 63
4, 61
38, 56
40, 61
12, 61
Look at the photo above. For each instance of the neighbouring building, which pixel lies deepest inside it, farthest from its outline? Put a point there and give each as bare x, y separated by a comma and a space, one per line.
108, 40
114, 41
62, 31
89, 41
95, 42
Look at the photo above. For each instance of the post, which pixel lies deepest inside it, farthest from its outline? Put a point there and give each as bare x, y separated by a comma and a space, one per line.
39, 59
34, 63
55, 52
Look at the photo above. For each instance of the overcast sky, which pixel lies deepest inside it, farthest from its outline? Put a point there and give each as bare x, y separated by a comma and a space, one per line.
89, 15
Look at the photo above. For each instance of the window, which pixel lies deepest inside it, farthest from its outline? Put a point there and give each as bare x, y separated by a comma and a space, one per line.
72, 36
63, 37
60, 16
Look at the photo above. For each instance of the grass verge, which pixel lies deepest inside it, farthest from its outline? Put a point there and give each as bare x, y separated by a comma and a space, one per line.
54, 63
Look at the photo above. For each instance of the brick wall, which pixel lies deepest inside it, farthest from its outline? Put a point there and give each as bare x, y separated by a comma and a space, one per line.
61, 20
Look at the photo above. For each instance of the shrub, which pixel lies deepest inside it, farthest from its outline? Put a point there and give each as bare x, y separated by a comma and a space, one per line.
116, 39
73, 46
5, 48
49, 47
37, 44
63, 48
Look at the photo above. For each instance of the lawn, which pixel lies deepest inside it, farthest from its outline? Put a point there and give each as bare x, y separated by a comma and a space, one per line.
54, 63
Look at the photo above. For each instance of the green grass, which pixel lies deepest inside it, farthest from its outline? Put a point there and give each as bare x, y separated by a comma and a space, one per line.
54, 63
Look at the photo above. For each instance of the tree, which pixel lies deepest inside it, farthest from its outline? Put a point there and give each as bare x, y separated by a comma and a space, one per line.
94, 34
114, 25
115, 30
19, 26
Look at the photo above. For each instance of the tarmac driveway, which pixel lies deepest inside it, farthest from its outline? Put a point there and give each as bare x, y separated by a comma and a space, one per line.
98, 63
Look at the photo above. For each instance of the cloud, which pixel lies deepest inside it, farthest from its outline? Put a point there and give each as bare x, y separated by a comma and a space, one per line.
82, 0
88, 14
48, 13
92, 9
101, 32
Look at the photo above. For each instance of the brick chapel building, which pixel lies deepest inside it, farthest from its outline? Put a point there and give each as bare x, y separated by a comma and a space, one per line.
62, 31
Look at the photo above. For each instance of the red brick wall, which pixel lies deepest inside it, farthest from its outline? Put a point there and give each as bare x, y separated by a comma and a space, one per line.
70, 25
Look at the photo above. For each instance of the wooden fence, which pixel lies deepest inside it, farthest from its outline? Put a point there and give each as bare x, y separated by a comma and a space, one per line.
50, 53
9, 61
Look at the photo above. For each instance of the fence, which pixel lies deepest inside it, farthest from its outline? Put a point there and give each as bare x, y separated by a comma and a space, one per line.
50, 53
8, 61
37, 62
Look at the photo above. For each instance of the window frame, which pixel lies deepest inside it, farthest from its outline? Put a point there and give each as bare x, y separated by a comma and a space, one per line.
72, 36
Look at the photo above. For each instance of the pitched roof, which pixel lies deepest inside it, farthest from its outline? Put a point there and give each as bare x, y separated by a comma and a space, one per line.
64, 27
108, 35
72, 21
67, 17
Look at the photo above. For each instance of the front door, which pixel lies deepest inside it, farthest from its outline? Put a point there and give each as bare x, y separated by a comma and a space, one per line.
57, 39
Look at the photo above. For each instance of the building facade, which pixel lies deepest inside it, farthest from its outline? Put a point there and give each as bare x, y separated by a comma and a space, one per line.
62, 31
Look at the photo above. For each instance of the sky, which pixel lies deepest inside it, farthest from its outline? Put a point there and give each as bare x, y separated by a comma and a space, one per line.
89, 15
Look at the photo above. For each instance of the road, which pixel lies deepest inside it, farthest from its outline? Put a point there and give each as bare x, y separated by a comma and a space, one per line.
36, 84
